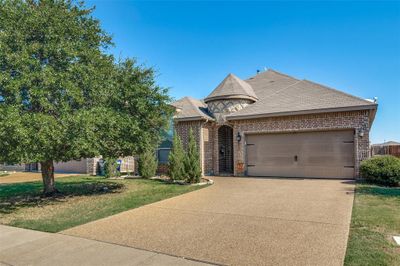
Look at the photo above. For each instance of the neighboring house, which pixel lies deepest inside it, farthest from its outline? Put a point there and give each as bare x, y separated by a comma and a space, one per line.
88, 166
386, 148
12, 167
276, 125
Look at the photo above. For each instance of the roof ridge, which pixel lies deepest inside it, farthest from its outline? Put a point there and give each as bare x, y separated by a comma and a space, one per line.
192, 101
339, 91
273, 71
275, 92
282, 74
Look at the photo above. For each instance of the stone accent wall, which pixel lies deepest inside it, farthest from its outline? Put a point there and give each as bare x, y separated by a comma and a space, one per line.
221, 108
357, 120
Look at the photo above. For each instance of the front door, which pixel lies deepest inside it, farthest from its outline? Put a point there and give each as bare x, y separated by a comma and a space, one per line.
225, 149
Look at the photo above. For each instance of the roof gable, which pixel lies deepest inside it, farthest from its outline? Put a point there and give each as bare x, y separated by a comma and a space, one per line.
232, 87
191, 109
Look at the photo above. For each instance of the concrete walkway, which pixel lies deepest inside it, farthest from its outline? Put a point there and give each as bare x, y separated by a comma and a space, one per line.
26, 247
240, 221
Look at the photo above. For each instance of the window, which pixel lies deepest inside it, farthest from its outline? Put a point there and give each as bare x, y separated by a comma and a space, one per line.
162, 155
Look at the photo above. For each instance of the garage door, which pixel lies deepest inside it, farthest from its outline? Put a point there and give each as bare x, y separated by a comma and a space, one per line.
327, 154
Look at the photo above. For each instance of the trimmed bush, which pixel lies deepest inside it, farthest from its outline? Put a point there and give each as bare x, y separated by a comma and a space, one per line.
383, 170
176, 158
147, 164
192, 160
110, 168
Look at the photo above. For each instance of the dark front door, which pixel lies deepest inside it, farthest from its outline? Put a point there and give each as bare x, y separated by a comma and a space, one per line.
225, 149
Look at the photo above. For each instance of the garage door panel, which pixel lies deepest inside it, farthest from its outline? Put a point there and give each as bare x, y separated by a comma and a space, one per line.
272, 171
276, 161
309, 154
326, 172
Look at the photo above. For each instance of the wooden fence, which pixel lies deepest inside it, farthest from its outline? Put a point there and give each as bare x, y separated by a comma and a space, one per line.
386, 150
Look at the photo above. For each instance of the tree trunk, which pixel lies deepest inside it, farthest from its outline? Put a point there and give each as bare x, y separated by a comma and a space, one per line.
49, 187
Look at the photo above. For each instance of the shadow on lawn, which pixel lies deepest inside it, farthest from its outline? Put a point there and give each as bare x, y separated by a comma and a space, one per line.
21, 195
379, 191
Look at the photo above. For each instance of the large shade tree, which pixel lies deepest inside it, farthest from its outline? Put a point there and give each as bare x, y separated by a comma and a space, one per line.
62, 97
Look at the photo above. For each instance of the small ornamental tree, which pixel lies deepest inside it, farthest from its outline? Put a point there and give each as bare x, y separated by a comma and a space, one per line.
176, 167
192, 160
110, 168
147, 163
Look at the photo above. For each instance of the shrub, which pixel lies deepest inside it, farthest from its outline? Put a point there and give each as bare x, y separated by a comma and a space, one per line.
384, 170
110, 168
192, 160
148, 164
176, 157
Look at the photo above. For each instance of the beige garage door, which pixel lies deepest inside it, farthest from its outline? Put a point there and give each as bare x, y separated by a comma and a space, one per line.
327, 154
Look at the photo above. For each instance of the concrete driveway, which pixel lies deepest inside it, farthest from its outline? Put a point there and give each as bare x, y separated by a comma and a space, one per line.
240, 221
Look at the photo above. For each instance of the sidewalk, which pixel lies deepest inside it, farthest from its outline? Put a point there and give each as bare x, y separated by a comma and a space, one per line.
27, 247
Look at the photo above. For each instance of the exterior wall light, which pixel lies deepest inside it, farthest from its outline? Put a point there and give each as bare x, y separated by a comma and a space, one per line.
238, 137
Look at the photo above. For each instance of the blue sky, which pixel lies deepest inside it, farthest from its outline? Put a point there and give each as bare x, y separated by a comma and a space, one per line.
350, 46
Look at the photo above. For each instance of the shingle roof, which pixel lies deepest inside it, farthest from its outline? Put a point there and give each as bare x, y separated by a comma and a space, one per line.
232, 87
280, 94
191, 109
277, 93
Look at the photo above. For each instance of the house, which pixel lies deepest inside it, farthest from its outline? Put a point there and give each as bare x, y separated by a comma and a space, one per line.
88, 166
276, 125
386, 148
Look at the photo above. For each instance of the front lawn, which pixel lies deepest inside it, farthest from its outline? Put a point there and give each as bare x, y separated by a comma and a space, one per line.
85, 199
375, 219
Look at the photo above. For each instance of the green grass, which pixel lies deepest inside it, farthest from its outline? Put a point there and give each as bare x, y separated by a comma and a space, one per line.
375, 219
84, 199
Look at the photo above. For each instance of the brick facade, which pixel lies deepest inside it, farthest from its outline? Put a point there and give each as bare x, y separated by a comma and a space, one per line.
207, 134
356, 120
162, 169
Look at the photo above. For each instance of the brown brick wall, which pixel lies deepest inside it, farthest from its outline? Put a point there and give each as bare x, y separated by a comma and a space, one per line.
208, 146
357, 120
183, 128
162, 169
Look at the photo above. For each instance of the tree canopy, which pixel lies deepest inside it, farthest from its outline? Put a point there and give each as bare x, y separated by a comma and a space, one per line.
63, 96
